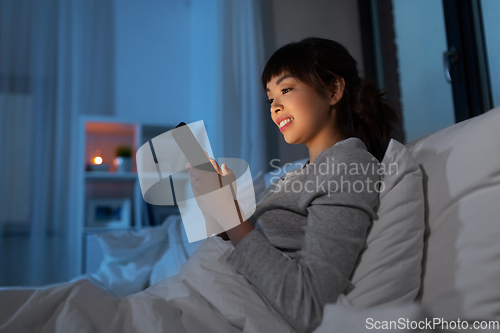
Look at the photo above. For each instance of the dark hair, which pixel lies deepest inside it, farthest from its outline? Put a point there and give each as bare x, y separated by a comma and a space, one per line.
362, 112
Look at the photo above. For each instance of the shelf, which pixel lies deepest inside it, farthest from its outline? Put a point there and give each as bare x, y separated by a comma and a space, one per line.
105, 175
102, 136
96, 230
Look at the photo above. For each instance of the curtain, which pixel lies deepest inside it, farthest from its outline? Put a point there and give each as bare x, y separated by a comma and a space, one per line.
227, 48
56, 63
245, 114
52, 54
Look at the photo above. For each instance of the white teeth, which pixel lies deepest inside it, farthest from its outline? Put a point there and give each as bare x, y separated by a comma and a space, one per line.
286, 121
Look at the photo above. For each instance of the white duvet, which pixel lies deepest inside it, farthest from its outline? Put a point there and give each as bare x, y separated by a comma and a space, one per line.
207, 296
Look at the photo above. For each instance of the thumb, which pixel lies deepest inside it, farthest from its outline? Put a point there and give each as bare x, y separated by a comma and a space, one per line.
225, 169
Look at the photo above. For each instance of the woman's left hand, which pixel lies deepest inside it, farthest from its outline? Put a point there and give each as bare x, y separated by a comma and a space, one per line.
213, 200
220, 208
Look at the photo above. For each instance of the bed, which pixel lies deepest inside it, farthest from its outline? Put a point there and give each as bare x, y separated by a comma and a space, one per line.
419, 263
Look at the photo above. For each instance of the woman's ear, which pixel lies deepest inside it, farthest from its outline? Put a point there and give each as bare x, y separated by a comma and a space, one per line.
337, 91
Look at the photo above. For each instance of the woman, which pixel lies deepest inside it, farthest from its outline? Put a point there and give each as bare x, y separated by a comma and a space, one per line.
301, 245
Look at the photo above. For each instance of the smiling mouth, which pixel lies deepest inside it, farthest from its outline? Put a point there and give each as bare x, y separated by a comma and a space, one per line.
285, 123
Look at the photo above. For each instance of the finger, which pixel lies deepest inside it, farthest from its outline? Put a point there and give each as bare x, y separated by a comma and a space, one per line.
195, 173
227, 175
225, 169
216, 166
188, 165
214, 163
193, 178
196, 192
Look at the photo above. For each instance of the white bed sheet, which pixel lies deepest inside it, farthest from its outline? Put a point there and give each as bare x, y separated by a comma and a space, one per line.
207, 296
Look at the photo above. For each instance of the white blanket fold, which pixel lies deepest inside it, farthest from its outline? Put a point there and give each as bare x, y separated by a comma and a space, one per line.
207, 296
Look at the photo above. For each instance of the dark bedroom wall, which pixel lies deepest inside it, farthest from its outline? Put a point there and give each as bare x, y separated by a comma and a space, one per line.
152, 59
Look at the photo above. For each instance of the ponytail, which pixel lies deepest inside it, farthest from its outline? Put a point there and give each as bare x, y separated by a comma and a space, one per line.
367, 115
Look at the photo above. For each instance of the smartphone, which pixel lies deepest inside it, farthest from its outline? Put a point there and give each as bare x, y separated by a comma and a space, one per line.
191, 148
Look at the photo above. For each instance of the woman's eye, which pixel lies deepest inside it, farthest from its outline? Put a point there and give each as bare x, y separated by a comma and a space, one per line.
270, 101
285, 90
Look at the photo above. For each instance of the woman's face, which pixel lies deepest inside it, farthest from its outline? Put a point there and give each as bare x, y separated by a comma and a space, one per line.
301, 114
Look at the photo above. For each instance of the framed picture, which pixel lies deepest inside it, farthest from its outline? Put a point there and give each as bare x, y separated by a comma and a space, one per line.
108, 213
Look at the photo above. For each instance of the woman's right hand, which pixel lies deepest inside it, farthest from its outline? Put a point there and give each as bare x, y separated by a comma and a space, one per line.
213, 208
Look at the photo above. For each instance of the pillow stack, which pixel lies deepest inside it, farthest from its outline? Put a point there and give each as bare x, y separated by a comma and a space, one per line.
389, 270
129, 257
461, 165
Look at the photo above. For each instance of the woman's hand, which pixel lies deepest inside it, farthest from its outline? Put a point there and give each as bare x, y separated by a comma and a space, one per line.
215, 202
203, 182
221, 208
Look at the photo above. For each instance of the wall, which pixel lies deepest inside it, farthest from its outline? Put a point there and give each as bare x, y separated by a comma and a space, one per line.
205, 76
156, 42
166, 61
294, 20
152, 60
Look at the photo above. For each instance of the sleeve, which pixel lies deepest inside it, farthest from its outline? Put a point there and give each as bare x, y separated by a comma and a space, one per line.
337, 226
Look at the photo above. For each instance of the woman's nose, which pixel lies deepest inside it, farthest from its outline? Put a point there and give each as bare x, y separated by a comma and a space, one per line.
276, 107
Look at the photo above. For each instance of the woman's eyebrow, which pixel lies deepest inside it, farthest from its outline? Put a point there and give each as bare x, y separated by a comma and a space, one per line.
286, 76
278, 81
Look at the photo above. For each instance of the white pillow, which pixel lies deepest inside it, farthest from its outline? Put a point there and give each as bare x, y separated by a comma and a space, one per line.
461, 165
389, 270
344, 317
129, 256
176, 253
